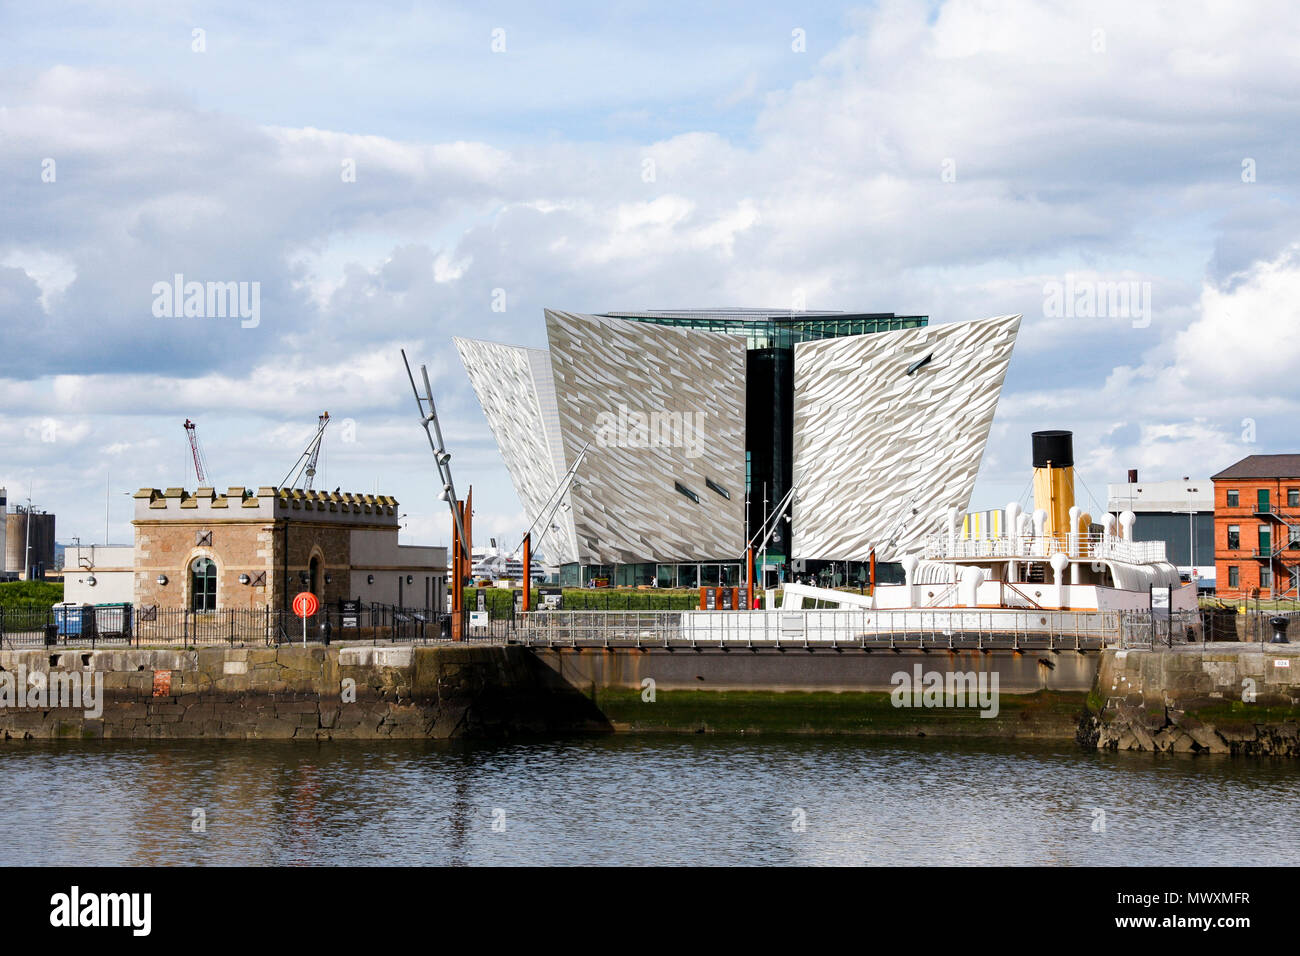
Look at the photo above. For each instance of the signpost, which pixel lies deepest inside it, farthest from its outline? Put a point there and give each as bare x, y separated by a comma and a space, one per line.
1160, 598
350, 613
305, 604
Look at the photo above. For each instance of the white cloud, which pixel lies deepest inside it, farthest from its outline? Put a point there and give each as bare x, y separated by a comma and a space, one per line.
1124, 162
52, 273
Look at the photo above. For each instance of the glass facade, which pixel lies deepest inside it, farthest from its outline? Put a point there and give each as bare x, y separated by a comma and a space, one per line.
684, 575
777, 329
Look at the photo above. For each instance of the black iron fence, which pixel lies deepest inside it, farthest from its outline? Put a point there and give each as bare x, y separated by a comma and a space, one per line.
126, 625
1160, 628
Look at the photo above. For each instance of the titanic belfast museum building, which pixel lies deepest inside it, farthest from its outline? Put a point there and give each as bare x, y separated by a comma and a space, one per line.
840, 434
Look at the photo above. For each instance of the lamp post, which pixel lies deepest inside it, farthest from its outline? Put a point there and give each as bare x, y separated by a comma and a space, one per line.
1191, 534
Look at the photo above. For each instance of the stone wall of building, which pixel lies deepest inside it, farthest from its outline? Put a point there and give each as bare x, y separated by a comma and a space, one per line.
236, 547
244, 534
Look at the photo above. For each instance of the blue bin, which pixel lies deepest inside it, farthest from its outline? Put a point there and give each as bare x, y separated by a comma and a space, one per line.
67, 618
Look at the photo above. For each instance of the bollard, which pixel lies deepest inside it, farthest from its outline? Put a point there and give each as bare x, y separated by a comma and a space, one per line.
1279, 630
325, 631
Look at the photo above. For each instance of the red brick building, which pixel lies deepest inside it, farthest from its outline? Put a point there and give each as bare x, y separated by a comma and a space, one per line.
1257, 527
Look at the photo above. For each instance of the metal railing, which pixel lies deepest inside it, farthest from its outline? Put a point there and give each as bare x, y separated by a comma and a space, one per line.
832, 628
1275, 551
956, 628
1028, 546
1157, 628
1273, 511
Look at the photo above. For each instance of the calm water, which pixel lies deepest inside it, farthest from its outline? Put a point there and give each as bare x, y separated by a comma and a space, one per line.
627, 800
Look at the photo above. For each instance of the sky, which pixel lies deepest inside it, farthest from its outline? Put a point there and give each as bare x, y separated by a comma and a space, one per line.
392, 175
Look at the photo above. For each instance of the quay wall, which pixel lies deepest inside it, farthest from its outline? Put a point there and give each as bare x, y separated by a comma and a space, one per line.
334, 692
1041, 694
293, 692
1225, 698
1222, 698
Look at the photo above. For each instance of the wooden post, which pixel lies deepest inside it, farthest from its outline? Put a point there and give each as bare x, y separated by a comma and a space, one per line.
468, 521
457, 579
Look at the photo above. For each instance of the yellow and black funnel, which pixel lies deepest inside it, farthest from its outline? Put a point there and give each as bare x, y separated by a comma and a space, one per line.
1054, 479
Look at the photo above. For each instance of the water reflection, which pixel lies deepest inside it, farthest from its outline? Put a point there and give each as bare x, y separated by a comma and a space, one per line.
637, 800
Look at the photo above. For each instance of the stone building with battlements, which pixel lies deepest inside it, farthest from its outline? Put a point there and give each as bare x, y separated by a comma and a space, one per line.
247, 548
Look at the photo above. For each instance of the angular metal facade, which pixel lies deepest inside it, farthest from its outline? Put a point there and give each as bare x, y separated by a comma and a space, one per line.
880, 454
664, 411
514, 386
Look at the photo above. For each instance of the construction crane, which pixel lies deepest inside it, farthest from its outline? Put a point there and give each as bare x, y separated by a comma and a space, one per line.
200, 463
305, 466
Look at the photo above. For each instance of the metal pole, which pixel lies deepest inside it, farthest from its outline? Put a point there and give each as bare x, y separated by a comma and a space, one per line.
440, 456
528, 572
27, 548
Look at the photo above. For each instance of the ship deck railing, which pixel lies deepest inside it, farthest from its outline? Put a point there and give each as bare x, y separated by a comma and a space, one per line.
1087, 547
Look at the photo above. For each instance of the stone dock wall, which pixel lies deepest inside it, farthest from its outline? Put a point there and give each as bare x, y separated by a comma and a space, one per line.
1220, 698
1041, 693
319, 692
291, 692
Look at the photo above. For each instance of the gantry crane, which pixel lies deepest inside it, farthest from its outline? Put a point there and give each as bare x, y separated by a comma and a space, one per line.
305, 466
200, 463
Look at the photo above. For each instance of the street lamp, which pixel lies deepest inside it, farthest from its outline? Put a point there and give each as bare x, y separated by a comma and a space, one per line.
1191, 533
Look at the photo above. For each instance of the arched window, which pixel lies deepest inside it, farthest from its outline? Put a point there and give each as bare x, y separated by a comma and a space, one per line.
203, 584
315, 576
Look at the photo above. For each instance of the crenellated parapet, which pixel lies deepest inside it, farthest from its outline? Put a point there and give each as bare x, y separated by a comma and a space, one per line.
267, 501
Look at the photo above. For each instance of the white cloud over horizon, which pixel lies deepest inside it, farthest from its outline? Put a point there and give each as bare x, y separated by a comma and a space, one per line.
823, 175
